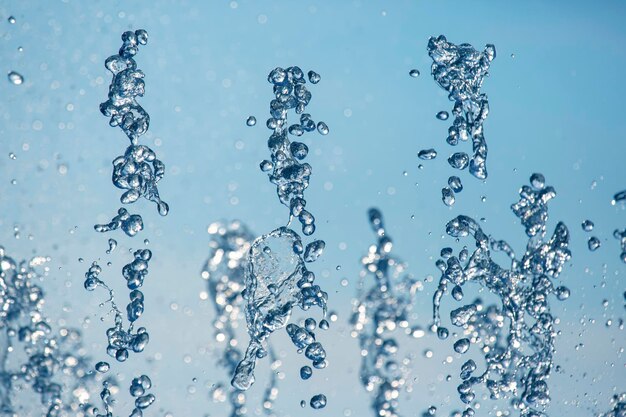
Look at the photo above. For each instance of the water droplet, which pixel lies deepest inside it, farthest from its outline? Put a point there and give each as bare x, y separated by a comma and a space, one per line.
15, 78
427, 154
11, 20
442, 115
251, 121
322, 128
593, 243
318, 401
587, 225
414, 73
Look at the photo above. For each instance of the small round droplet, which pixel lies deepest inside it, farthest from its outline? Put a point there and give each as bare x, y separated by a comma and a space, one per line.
314, 77
11, 20
442, 115
414, 73
251, 121
15, 78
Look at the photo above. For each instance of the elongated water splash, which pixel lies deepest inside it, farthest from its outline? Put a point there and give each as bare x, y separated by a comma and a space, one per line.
382, 307
276, 278
518, 355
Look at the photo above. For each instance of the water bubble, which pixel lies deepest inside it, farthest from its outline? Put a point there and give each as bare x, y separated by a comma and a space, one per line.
15, 78
314, 77
102, 367
462, 345
587, 225
306, 372
414, 73
442, 115
447, 196
318, 401
593, 243
112, 246
455, 184
322, 128
537, 181
131, 224
11, 20
251, 121
459, 160
427, 154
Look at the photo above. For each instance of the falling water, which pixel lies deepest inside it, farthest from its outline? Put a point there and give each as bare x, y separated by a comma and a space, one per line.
519, 355
383, 305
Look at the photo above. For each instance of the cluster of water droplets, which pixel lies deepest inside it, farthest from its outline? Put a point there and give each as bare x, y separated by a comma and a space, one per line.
460, 70
383, 305
224, 272
138, 171
517, 335
285, 170
50, 362
138, 390
276, 278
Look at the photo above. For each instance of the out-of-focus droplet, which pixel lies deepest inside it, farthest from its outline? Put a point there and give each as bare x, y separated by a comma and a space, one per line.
15, 78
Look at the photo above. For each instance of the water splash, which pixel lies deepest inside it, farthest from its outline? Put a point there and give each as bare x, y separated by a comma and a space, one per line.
383, 307
460, 70
518, 356
224, 271
276, 278
618, 402
51, 362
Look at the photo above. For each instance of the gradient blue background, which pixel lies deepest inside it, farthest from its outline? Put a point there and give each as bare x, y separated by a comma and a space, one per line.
556, 108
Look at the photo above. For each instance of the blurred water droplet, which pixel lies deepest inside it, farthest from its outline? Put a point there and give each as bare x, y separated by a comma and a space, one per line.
15, 78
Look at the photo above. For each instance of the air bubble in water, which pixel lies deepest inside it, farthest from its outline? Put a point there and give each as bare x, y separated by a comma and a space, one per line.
414, 73
15, 78
251, 121
447, 196
442, 115
619, 197
11, 20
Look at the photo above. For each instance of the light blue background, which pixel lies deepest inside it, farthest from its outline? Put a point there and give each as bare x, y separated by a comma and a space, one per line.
556, 108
